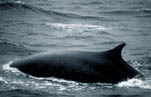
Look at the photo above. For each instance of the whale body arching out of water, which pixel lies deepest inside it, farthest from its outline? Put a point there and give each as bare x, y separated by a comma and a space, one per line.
82, 66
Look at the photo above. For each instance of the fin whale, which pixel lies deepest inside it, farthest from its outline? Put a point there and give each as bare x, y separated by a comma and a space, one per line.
82, 66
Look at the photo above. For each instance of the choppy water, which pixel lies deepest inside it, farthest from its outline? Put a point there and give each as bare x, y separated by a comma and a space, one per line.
31, 26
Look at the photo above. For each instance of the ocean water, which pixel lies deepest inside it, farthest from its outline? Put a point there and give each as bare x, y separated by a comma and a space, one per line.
29, 27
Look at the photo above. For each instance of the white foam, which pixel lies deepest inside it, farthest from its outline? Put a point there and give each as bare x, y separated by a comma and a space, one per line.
3, 80
60, 84
146, 84
18, 82
136, 65
7, 68
19, 2
53, 79
75, 26
62, 80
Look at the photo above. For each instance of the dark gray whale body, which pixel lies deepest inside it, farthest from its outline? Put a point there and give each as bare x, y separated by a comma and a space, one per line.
81, 66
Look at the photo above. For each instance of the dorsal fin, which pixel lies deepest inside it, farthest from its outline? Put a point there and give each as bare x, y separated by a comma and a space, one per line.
116, 52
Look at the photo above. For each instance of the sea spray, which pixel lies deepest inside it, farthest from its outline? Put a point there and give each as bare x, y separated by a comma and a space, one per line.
136, 83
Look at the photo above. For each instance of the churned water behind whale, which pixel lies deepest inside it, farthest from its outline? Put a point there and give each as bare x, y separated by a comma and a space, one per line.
82, 66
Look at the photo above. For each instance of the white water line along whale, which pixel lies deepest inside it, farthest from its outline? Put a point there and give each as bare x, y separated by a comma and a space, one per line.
82, 66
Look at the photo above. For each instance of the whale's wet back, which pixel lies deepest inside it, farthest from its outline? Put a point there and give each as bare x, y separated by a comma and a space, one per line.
82, 66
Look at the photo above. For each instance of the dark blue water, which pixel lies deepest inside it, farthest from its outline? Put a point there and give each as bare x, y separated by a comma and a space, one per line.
29, 27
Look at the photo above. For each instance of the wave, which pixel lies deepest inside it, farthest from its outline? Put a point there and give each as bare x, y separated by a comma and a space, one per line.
13, 48
7, 45
136, 83
136, 12
75, 26
23, 7
9, 5
89, 3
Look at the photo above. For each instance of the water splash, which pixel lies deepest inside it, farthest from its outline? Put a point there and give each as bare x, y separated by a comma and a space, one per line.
3, 80
136, 83
7, 68
75, 26
61, 84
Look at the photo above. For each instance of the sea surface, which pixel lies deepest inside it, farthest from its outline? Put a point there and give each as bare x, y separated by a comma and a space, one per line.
29, 27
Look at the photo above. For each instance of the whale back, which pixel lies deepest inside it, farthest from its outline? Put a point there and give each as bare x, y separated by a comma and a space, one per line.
107, 66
